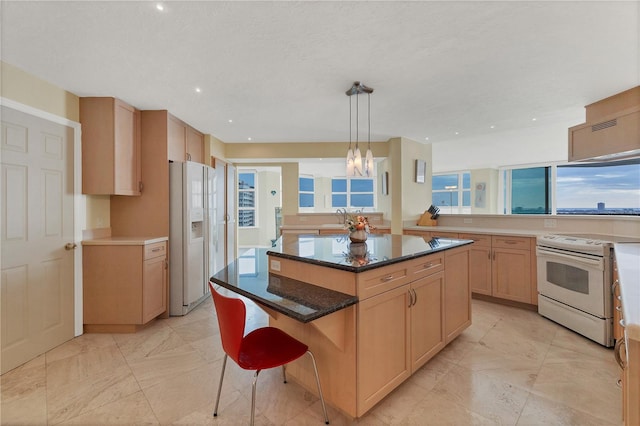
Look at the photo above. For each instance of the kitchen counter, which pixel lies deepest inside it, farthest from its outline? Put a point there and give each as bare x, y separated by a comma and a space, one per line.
413, 299
123, 241
628, 261
298, 300
336, 251
471, 230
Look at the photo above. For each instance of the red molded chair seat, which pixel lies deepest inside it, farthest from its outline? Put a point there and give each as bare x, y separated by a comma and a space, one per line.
264, 348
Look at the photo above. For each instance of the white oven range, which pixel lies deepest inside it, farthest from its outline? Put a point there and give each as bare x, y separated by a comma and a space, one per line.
575, 283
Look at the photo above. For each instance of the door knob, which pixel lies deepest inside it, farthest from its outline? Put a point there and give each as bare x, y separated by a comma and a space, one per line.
70, 246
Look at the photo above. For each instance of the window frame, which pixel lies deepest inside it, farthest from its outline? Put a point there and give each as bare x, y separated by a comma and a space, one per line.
460, 207
307, 208
349, 192
255, 199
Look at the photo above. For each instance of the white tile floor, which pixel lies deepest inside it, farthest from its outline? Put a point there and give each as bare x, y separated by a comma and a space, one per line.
511, 367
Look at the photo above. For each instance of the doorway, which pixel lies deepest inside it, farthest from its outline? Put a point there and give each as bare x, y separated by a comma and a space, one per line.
40, 233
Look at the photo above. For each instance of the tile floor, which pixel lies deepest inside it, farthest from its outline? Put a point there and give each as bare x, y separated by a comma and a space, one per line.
510, 367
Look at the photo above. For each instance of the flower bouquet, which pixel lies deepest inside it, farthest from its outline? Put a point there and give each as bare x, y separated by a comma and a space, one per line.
358, 227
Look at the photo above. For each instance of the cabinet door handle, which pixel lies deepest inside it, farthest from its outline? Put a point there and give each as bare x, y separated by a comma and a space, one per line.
410, 298
140, 186
415, 297
613, 287
622, 324
616, 353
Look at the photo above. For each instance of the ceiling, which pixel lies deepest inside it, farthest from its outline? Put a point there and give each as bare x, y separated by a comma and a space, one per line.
280, 70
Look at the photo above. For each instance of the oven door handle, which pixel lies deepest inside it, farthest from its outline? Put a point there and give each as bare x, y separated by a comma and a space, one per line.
578, 259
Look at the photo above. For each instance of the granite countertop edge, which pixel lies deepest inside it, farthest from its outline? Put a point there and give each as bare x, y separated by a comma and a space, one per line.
370, 266
349, 301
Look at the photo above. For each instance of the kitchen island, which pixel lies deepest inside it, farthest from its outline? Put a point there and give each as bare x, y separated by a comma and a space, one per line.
413, 298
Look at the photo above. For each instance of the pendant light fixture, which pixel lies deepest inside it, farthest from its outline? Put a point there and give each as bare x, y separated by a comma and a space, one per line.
355, 165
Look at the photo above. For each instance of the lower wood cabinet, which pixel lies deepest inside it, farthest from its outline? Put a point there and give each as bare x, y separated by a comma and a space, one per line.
124, 285
503, 267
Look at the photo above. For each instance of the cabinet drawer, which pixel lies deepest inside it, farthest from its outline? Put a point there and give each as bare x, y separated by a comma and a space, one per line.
426, 266
382, 279
479, 240
522, 243
435, 234
155, 250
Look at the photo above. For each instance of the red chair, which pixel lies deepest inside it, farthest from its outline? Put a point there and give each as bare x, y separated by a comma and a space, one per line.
266, 347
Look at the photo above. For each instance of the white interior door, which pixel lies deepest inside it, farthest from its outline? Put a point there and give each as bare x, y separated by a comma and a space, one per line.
37, 280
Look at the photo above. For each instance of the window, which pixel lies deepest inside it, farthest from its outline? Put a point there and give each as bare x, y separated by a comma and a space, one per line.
530, 191
352, 192
611, 188
246, 199
452, 192
604, 188
305, 191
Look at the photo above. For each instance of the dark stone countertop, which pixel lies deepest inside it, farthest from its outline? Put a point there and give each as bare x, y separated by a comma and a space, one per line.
336, 251
249, 276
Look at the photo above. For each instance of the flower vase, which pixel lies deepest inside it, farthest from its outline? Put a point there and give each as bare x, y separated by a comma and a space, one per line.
359, 236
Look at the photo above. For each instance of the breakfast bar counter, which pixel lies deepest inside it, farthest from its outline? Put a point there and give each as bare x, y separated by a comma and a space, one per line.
372, 313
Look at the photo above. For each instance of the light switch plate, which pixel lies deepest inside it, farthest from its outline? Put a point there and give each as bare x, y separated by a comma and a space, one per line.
275, 265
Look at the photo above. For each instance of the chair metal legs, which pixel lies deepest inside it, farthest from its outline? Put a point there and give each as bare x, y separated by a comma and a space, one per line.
315, 369
255, 381
253, 396
224, 364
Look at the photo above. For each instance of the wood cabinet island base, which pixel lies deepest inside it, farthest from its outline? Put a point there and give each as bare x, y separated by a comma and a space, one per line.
407, 312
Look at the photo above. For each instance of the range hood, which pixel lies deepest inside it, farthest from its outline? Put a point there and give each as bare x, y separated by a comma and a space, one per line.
612, 130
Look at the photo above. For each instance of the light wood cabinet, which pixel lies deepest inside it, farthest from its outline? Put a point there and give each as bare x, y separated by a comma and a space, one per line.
503, 267
480, 263
383, 345
457, 294
427, 314
124, 285
401, 325
612, 128
111, 162
195, 145
511, 268
185, 142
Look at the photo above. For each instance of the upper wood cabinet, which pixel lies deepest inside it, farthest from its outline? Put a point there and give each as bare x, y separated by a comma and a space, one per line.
110, 147
185, 142
611, 131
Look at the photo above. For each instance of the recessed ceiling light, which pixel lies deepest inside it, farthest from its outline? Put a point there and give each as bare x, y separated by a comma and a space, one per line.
160, 7
248, 139
492, 127
198, 90
426, 139
457, 133
230, 121
534, 119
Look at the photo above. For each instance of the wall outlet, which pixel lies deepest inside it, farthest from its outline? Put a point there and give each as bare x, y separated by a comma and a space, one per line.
275, 265
550, 223
303, 218
468, 220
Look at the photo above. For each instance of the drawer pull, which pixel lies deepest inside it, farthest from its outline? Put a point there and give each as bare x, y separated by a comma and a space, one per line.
428, 265
616, 353
510, 242
387, 278
622, 323
619, 308
156, 249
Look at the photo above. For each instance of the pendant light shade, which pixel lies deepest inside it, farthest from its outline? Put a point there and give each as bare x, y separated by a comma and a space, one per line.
356, 165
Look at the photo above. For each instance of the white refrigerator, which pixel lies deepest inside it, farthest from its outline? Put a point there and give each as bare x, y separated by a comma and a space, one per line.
193, 241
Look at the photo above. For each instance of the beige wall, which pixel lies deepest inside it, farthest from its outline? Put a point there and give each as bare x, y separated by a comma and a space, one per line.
488, 177
27, 89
